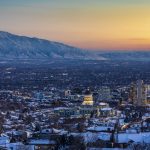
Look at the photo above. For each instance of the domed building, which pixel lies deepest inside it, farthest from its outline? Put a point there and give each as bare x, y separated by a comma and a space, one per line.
88, 98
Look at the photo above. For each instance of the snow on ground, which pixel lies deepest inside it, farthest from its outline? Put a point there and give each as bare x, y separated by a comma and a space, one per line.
136, 137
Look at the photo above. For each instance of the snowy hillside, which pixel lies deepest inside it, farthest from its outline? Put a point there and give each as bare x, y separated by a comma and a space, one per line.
14, 46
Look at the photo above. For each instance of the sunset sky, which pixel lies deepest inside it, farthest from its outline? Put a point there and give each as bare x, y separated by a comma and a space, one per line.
90, 24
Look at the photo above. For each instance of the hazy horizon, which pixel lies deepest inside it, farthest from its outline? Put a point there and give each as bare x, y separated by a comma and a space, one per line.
94, 25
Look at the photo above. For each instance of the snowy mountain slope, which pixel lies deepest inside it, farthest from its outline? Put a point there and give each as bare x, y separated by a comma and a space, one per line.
14, 46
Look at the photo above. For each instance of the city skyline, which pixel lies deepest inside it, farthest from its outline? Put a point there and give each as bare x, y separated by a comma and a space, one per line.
98, 25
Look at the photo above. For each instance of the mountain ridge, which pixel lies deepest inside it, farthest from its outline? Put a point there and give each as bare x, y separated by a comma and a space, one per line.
15, 46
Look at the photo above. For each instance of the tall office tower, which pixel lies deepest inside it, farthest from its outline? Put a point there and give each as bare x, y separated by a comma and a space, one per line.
132, 92
138, 93
148, 94
88, 98
104, 94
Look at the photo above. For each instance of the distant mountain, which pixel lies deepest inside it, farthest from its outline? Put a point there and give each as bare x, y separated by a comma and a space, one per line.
126, 55
14, 46
22, 47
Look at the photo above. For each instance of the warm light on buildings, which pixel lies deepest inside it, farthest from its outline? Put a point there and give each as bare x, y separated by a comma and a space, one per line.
88, 98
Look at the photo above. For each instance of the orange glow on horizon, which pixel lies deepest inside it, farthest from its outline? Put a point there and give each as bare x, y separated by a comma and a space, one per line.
93, 25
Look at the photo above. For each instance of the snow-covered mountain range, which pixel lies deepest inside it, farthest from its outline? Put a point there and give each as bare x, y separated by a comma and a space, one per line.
14, 46
22, 47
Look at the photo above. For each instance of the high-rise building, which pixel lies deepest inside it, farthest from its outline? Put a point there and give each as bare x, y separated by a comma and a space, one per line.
88, 98
138, 93
148, 94
132, 92
104, 94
